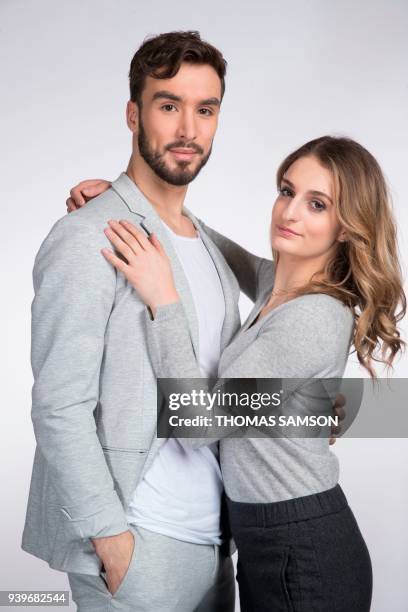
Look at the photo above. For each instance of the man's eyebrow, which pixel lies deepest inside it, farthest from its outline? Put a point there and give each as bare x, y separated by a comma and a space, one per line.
167, 95
210, 102
312, 191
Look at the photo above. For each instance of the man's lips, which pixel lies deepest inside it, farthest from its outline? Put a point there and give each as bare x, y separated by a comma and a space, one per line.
183, 154
285, 231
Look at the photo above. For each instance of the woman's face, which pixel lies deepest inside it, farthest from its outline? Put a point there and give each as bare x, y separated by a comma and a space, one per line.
304, 220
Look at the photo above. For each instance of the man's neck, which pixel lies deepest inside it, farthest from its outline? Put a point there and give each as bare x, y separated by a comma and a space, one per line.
166, 199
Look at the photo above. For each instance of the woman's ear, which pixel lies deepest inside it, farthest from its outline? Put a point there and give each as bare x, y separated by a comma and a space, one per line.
342, 237
132, 116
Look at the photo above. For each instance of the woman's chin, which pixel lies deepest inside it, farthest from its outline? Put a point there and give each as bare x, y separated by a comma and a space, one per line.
282, 245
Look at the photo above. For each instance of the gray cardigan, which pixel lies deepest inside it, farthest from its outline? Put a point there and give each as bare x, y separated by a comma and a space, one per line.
307, 337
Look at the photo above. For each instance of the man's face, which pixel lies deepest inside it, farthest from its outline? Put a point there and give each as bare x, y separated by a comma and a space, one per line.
177, 122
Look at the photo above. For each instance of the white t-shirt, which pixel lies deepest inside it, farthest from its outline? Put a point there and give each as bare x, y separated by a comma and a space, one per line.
180, 495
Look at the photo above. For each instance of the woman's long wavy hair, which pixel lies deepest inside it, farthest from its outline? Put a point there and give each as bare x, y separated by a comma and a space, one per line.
364, 272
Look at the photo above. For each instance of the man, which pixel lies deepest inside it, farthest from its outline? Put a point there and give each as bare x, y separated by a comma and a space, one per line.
133, 520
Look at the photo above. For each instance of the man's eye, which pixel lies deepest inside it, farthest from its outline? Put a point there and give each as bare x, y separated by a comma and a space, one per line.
317, 205
284, 191
169, 108
205, 111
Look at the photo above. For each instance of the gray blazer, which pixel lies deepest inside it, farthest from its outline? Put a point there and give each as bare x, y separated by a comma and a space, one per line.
94, 394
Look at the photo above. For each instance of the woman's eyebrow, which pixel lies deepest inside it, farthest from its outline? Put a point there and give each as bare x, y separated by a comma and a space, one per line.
320, 193
288, 182
313, 192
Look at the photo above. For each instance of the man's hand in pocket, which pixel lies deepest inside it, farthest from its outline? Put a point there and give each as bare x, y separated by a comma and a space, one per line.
115, 552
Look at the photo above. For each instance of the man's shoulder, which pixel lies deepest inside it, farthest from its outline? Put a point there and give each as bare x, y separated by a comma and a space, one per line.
73, 246
87, 223
98, 210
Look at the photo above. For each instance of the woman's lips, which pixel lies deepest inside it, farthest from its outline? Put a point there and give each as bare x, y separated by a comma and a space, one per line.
286, 232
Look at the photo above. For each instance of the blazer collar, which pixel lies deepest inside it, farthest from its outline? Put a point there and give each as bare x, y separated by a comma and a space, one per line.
131, 195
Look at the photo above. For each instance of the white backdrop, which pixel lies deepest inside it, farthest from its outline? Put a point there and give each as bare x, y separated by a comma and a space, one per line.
297, 69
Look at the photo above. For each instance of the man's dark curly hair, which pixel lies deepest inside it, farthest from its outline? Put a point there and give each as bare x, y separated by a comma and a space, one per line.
161, 56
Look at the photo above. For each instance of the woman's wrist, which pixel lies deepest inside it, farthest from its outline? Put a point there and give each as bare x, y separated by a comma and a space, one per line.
171, 298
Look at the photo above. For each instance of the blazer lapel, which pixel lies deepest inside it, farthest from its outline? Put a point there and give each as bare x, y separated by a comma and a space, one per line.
150, 221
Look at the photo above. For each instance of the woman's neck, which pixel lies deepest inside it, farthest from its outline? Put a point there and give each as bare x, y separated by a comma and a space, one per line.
291, 274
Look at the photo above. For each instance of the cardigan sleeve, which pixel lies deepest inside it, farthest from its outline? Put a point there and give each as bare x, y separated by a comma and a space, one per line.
309, 337
245, 265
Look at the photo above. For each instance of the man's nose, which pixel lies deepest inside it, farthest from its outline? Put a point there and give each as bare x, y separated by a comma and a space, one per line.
186, 129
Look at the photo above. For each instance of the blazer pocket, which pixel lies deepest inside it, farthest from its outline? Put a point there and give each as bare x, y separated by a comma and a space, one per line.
125, 465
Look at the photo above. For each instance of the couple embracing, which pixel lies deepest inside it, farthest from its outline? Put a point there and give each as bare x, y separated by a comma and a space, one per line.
132, 287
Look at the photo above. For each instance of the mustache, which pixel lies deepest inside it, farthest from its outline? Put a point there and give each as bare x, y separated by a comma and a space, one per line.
184, 145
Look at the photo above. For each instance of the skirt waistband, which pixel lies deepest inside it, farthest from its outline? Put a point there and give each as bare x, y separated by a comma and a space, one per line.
287, 511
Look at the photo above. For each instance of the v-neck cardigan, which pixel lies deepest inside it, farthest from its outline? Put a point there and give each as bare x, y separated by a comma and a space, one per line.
306, 337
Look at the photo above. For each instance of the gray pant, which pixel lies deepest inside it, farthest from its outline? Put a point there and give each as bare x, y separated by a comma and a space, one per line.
164, 575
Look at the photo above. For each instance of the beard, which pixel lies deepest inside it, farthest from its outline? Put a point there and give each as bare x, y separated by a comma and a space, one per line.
179, 176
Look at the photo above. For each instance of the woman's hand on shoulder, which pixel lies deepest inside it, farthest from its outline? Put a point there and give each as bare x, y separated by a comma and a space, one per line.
143, 262
85, 191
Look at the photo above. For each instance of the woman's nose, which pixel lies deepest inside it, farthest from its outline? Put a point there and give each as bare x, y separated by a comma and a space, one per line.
291, 210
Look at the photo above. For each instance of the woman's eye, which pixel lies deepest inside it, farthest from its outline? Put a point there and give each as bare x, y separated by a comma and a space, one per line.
169, 107
285, 192
318, 206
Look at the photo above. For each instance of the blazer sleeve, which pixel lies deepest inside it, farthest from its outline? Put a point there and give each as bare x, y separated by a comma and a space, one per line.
74, 294
245, 265
172, 356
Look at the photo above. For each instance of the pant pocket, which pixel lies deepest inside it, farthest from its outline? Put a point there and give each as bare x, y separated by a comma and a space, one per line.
217, 556
122, 588
288, 580
263, 580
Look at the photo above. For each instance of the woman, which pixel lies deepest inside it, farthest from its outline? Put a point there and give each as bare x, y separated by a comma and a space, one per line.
336, 280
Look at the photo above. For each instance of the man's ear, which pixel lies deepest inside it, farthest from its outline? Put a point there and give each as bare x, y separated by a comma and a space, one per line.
132, 116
